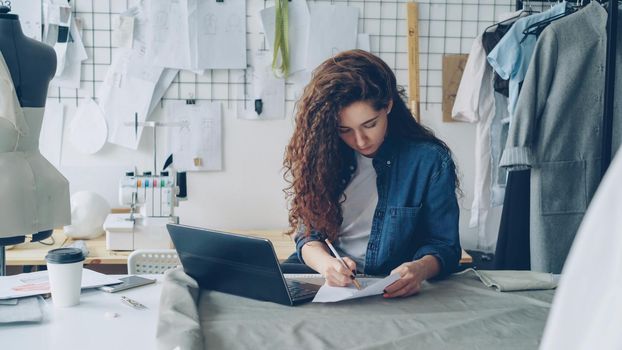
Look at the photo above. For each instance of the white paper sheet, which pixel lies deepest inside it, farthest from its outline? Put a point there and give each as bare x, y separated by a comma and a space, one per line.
166, 78
196, 144
363, 42
221, 34
298, 31
332, 29
370, 286
51, 136
125, 92
196, 35
36, 283
265, 87
88, 130
76, 53
29, 12
133, 84
168, 38
123, 31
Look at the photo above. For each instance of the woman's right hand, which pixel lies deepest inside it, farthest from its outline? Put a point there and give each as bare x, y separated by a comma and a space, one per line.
336, 274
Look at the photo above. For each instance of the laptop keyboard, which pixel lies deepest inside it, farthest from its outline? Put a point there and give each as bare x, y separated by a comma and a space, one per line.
299, 290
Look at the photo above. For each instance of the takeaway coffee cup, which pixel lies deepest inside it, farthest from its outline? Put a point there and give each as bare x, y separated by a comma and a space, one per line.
65, 275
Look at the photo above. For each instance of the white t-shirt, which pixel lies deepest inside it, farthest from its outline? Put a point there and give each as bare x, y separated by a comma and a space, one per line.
358, 212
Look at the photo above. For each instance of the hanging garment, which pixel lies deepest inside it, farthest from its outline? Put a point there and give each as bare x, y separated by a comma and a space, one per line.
510, 58
512, 252
475, 103
556, 131
587, 309
490, 39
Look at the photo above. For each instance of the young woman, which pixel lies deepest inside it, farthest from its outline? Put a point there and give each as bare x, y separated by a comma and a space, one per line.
364, 174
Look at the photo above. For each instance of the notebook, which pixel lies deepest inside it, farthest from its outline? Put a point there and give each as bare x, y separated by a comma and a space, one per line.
237, 264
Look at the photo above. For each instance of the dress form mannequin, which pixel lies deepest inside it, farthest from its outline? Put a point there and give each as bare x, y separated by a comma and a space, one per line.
34, 196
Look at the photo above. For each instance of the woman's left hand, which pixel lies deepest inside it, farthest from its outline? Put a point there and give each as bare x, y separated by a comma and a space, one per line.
413, 273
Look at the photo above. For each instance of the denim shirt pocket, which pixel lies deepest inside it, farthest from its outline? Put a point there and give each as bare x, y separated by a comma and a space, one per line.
401, 227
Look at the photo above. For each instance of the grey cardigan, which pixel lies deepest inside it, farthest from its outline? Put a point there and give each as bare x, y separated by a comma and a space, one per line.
557, 130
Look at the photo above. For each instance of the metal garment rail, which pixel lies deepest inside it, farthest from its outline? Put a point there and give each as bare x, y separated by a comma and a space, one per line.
610, 76
610, 71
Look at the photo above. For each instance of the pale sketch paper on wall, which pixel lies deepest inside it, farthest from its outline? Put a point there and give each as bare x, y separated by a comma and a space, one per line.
88, 130
298, 32
29, 12
123, 30
195, 138
74, 56
125, 92
265, 87
221, 35
51, 136
168, 41
58, 20
166, 78
363, 42
197, 35
332, 29
132, 87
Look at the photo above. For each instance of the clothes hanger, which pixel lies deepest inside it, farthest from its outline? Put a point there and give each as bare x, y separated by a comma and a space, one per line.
527, 10
538, 27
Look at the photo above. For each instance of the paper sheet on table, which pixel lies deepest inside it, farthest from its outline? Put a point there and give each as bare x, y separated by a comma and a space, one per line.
196, 143
265, 87
196, 35
370, 286
76, 53
332, 29
298, 31
29, 12
36, 283
51, 136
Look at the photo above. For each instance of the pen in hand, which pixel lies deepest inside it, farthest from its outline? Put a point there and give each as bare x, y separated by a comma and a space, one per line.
332, 249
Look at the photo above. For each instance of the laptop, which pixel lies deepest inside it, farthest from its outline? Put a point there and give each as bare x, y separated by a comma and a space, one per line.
237, 264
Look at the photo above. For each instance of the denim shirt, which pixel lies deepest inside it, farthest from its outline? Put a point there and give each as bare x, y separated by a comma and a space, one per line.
417, 212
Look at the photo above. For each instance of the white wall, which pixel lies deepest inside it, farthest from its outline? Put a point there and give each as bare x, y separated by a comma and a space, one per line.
248, 194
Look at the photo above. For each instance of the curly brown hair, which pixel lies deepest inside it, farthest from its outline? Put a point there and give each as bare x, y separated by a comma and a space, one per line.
316, 154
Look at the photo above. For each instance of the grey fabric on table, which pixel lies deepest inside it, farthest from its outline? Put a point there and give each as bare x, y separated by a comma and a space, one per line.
512, 280
178, 319
457, 312
22, 310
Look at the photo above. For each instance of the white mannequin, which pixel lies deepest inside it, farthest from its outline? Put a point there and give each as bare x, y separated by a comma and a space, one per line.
34, 196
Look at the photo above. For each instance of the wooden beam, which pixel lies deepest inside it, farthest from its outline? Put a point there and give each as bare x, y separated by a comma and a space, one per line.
414, 97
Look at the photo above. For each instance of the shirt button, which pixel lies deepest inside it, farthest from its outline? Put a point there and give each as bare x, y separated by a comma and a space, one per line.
388, 162
351, 167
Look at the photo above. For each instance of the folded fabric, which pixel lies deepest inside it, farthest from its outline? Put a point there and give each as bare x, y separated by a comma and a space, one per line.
179, 326
24, 310
512, 280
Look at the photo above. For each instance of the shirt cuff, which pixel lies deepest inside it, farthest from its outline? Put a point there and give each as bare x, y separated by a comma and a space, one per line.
515, 157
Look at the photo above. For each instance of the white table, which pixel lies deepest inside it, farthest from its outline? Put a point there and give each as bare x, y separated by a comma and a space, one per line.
86, 326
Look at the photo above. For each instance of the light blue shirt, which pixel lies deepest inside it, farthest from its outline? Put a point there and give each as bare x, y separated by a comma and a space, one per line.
510, 58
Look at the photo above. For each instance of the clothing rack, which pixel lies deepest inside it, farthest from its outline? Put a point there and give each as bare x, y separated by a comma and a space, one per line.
610, 76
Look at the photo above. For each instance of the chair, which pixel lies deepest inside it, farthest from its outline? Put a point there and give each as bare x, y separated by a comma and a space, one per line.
152, 261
